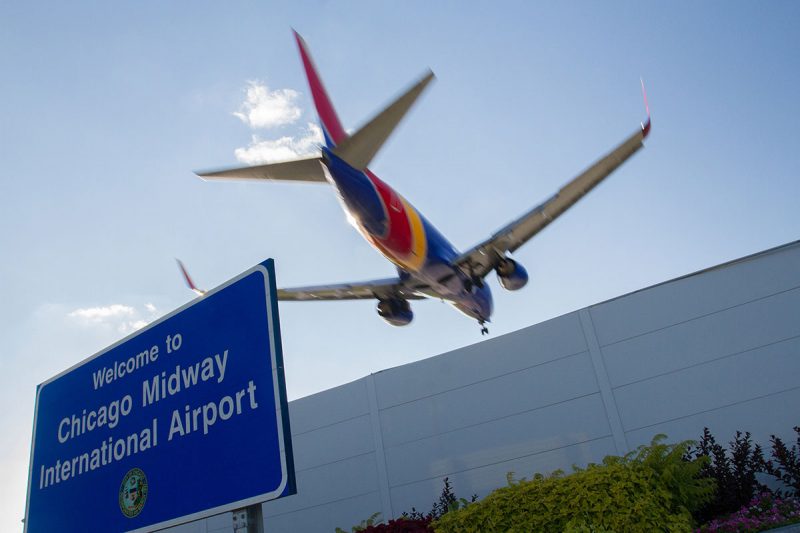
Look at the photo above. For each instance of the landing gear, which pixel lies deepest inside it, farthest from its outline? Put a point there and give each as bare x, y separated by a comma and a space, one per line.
484, 329
475, 282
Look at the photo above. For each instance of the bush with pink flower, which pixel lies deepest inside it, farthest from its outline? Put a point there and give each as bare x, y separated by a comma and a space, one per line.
765, 511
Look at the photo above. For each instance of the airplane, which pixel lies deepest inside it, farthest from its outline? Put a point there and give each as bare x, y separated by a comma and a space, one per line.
428, 266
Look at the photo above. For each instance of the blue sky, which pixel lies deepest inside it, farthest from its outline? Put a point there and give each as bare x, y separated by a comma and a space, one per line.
108, 107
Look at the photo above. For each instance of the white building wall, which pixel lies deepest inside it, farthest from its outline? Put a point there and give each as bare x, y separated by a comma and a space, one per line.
719, 348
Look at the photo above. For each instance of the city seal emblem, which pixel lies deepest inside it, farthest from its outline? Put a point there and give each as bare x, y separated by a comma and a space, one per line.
133, 493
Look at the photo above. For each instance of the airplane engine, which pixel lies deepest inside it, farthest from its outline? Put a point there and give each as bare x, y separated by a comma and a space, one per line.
511, 275
396, 311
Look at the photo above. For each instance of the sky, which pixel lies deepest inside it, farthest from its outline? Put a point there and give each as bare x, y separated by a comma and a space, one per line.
108, 107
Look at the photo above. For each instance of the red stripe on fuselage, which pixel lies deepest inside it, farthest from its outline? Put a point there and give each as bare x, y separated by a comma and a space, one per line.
398, 238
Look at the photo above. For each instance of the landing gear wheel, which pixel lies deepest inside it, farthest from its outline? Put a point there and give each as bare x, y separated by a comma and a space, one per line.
484, 329
473, 283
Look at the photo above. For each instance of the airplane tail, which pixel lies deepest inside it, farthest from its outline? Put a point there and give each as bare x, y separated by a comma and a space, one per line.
331, 127
360, 148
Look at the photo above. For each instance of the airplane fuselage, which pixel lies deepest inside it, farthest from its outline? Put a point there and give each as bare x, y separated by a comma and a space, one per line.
401, 234
428, 265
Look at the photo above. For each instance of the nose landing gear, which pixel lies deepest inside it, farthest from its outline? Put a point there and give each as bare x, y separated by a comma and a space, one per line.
484, 329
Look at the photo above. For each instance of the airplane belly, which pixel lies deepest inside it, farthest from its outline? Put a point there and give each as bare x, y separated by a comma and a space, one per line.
450, 284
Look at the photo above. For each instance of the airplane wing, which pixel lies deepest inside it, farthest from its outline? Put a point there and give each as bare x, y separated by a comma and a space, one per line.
380, 289
300, 170
368, 290
484, 257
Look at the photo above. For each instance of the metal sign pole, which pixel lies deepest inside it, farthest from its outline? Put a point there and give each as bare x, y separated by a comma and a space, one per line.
248, 520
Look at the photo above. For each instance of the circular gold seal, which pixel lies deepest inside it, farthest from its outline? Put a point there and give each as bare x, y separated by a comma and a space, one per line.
133, 493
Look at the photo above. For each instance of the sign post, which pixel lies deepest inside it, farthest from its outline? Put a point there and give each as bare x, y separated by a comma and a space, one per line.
249, 520
184, 419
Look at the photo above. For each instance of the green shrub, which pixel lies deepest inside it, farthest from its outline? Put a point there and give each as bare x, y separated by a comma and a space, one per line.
681, 476
650, 489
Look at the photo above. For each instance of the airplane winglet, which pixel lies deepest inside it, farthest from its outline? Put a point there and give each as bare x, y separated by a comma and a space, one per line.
646, 125
188, 279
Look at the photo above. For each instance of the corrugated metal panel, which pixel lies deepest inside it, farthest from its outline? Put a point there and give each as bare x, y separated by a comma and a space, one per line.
720, 348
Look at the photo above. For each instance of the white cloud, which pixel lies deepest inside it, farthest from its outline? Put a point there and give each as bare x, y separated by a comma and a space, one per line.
100, 314
263, 108
137, 324
122, 318
267, 151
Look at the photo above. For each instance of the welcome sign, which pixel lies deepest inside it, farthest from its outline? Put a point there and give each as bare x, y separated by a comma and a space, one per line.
184, 419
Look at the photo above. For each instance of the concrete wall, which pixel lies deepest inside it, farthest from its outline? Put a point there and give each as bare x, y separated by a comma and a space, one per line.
720, 348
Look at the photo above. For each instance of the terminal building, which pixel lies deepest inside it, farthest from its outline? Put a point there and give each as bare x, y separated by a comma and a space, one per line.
718, 348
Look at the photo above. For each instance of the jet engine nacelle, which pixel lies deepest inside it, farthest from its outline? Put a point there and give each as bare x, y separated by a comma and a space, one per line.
511, 275
396, 311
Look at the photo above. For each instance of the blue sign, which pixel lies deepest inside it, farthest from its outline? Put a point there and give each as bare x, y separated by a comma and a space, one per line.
184, 419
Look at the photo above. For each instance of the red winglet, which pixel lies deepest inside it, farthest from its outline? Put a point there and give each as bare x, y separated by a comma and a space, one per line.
646, 125
188, 279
